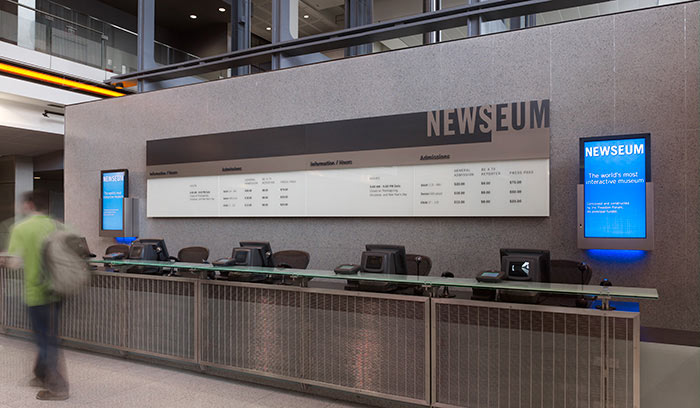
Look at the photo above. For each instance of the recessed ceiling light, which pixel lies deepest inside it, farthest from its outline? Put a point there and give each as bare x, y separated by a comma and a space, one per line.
193, 16
268, 28
306, 16
221, 9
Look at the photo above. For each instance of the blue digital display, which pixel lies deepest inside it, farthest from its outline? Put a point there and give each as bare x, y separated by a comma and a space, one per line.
614, 176
113, 192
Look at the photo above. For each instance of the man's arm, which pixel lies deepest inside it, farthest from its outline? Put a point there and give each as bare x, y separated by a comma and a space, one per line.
14, 259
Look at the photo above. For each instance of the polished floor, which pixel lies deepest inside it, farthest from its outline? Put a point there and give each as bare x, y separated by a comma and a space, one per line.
102, 381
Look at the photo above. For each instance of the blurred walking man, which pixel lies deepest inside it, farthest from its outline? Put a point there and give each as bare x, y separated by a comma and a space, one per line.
26, 242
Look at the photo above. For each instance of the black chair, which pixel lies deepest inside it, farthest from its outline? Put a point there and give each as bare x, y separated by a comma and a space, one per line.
565, 271
569, 272
117, 249
418, 264
193, 254
289, 259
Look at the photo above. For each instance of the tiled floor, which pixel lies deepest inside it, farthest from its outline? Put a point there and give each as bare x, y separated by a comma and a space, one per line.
102, 381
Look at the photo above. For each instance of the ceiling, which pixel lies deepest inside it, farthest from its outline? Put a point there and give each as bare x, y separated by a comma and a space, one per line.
23, 142
323, 15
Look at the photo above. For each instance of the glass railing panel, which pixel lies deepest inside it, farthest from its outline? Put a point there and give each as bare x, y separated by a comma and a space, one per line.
8, 22
431, 281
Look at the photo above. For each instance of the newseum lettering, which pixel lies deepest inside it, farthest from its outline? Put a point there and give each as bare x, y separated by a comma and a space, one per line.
480, 121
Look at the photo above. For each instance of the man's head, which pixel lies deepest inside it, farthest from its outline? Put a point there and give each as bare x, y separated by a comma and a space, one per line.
33, 202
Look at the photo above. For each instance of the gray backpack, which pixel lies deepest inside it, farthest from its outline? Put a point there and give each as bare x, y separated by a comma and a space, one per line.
64, 259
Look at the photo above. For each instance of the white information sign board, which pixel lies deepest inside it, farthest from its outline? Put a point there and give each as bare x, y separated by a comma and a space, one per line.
494, 189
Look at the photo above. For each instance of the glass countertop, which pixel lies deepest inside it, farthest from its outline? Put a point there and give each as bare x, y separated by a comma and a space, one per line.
426, 281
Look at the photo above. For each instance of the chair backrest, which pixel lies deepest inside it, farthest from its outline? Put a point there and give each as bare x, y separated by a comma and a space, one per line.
193, 254
414, 267
291, 258
117, 248
566, 271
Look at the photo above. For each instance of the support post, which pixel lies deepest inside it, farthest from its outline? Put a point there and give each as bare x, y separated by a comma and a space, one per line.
240, 30
358, 13
146, 40
285, 26
429, 6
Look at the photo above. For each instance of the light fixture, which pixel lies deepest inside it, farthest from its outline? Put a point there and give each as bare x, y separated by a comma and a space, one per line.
305, 16
221, 9
193, 16
268, 28
27, 73
47, 113
37, 178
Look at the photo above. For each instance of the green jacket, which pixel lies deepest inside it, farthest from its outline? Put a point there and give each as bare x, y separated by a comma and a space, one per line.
26, 240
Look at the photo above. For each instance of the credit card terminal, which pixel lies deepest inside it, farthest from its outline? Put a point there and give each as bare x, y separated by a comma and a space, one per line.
347, 269
490, 276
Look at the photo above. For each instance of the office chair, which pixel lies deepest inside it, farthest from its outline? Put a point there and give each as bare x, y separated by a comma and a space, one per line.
571, 272
193, 254
289, 259
117, 249
418, 264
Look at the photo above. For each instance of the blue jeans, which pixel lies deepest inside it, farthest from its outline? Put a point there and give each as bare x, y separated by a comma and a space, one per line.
45, 324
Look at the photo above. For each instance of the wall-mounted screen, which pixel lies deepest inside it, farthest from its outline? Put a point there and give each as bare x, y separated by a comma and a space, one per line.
114, 188
614, 204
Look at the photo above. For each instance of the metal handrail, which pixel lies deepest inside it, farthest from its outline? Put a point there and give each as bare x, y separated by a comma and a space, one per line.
101, 33
418, 24
53, 16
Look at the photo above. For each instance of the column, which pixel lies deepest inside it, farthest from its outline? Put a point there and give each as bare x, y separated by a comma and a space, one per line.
285, 26
146, 41
358, 13
240, 30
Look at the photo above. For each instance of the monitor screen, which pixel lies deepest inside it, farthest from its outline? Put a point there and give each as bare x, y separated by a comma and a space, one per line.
240, 256
519, 269
114, 189
614, 172
263, 247
526, 264
398, 252
374, 262
135, 251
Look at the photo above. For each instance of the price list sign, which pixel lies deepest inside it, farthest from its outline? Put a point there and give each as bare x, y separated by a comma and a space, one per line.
509, 188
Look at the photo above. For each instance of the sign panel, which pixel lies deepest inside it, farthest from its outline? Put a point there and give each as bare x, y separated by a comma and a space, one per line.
510, 188
615, 173
416, 164
114, 189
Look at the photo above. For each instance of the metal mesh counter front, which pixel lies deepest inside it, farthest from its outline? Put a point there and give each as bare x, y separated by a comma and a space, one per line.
422, 350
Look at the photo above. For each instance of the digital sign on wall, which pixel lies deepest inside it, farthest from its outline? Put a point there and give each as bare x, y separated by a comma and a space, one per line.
114, 190
615, 177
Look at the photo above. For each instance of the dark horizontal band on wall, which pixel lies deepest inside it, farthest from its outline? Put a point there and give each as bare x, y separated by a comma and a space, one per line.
670, 336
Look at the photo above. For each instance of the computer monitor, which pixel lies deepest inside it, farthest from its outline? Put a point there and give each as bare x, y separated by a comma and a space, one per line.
148, 249
525, 264
380, 258
262, 258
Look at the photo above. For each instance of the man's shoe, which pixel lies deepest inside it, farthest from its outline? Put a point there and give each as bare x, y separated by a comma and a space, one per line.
47, 395
36, 382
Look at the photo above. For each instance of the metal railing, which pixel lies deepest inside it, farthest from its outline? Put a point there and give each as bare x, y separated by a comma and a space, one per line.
420, 350
57, 30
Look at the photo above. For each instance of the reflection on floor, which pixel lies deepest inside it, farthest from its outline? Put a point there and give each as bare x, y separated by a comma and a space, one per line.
102, 381
669, 376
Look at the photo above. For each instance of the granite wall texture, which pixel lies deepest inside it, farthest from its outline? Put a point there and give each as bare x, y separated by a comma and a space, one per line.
625, 73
